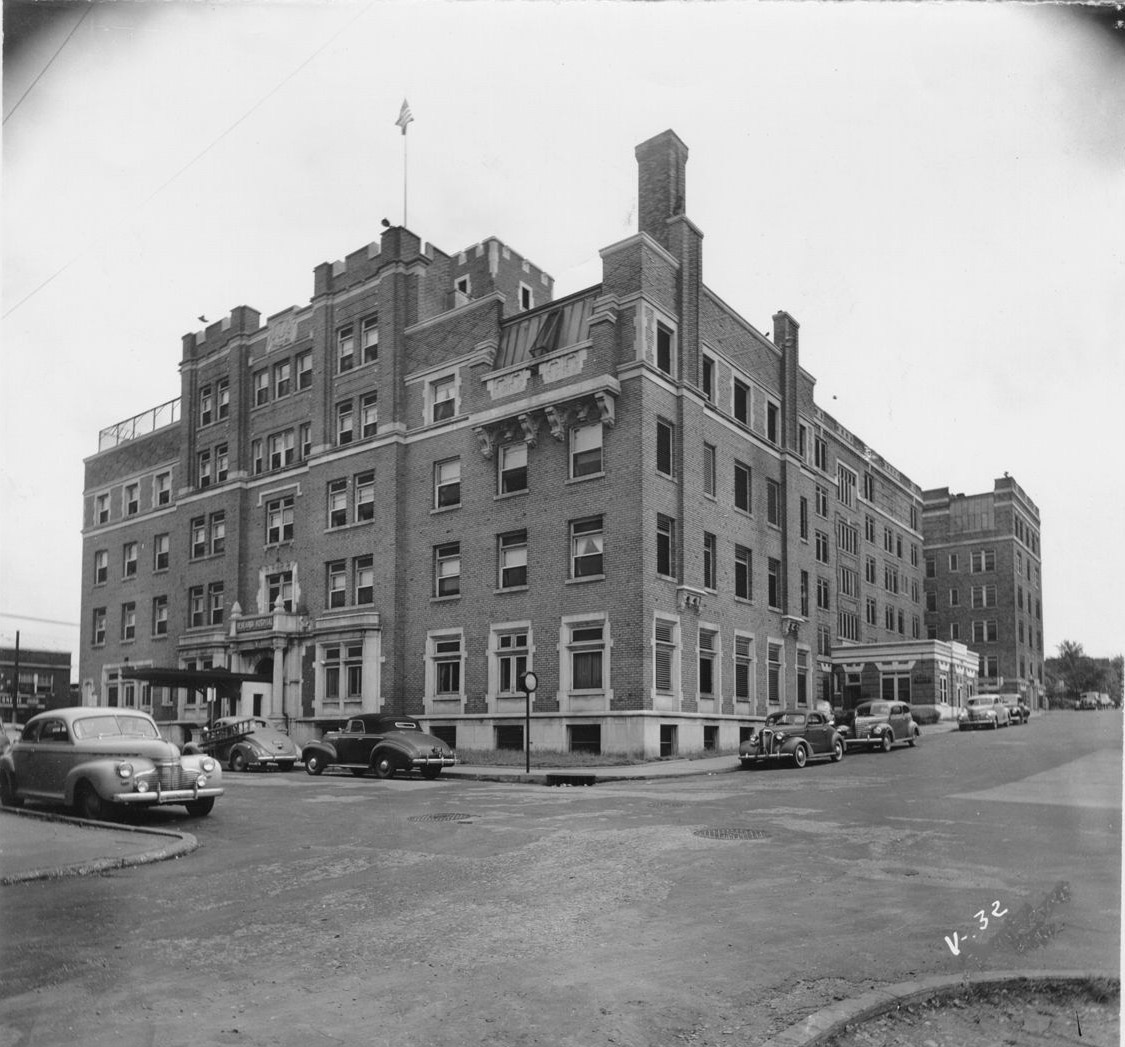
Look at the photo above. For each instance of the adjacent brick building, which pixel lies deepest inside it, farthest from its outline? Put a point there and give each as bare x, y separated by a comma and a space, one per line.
436, 476
44, 682
984, 584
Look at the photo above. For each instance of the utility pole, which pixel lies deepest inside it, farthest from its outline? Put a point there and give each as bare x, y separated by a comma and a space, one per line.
16, 682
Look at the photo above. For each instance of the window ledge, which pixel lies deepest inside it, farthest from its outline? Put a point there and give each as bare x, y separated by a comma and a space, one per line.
444, 509
585, 578
505, 495
445, 599
586, 476
511, 589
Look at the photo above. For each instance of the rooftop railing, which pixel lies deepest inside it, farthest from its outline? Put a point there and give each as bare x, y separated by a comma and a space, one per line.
140, 425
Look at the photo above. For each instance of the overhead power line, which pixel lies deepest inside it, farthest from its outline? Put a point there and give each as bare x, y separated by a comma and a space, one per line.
88, 9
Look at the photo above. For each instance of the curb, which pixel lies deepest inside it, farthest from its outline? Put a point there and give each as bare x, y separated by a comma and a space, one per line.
557, 777
179, 844
821, 1027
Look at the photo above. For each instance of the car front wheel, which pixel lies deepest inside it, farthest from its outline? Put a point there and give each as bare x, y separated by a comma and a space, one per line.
200, 808
837, 751
89, 804
800, 756
914, 736
238, 760
886, 741
383, 765
314, 764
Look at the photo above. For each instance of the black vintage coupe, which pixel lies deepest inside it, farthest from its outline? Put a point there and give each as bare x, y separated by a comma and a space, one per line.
793, 734
381, 744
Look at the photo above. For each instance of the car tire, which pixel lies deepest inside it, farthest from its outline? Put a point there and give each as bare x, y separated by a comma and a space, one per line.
238, 761
430, 772
800, 756
914, 736
8, 796
89, 804
837, 751
383, 764
886, 741
314, 764
200, 808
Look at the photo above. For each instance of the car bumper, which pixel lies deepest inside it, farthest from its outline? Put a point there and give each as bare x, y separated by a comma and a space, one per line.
434, 761
153, 797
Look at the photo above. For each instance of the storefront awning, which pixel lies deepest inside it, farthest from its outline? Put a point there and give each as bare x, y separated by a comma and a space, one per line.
225, 683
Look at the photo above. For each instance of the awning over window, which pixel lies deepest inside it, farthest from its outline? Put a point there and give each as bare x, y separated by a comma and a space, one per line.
226, 683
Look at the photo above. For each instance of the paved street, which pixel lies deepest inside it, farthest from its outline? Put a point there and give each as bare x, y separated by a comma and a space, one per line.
707, 911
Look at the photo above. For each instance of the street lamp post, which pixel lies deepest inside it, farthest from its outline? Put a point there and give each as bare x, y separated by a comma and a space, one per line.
528, 683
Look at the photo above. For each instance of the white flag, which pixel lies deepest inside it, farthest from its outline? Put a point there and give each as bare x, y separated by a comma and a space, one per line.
404, 116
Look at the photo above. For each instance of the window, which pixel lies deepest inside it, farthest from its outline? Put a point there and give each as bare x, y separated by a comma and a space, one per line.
743, 573
741, 403
161, 549
587, 656
279, 589
803, 517
822, 547
774, 668
447, 483
898, 546
304, 438
742, 496
345, 420
849, 582
281, 449
261, 382
304, 369
773, 502
463, 285
512, 465
953, 561
845, 485
368, 415
665, 350
915, 627
802, 676
369, 338
447, 665
868, 487
804, 593
198, 537
279, 520
847, 537
983, 596
218, 533
128, 621
443, 398
708, 662
511, 660
527, 297
954, 597
337, 503
97, 633
664, 447
101, 508
802, 441
345, 349
586, 547
215, 603
821, 501
222, 463
773, 416
343, 672
132, 499
913, 554
823, 594
820, 453
256, 460
513, 559
931, 600
983, 560
743, 668
206, 405
709, 469
204, 470
282, 378
665, 645
990, 666
773, 582
707, 378
364, 579
586, 450
889, 619
890, 578
710, 561
847, 625
365, 497
869, 529
665, 546
870, 570
101, 566
931, 567
447, 569
337, 583
872, 613
129, 560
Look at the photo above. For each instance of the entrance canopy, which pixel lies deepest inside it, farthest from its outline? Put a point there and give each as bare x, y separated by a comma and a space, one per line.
225, 683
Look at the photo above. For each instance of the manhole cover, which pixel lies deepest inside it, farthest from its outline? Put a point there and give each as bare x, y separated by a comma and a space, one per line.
440, 817
732, 833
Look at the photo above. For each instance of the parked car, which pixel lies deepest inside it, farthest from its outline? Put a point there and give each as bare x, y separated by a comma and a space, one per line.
793, 734
379, 743
1018, 709
245, 742
1087, 702
985, 710
878, 725
101, 760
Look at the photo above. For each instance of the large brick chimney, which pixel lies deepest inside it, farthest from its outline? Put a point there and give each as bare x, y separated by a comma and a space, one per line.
661, 188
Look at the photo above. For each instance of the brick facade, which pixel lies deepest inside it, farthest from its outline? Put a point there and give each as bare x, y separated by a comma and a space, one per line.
436, 475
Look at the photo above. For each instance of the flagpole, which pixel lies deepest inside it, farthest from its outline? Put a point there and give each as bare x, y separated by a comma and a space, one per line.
405, 136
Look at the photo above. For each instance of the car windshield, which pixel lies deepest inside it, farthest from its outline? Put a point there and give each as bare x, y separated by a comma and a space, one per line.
978, 703
115, 726
786, 719
874, 709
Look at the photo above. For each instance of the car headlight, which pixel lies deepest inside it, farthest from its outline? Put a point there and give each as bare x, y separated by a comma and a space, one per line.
201, 781
124, 770
207, 766
141, 786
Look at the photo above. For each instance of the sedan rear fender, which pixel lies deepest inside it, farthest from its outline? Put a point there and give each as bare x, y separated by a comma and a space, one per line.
402, 751
324, 750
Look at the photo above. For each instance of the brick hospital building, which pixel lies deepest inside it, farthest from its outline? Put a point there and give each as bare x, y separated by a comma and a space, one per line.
435, 476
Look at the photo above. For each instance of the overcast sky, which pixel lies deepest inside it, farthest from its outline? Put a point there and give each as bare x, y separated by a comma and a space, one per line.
936, 192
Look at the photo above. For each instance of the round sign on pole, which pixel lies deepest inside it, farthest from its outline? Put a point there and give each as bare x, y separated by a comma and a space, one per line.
528, 682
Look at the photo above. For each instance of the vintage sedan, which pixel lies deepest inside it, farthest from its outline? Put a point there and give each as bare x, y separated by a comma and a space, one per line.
794, 734
985, 710
100, 760
243, 743
1018, 710
381, 744
878, 725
